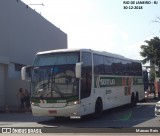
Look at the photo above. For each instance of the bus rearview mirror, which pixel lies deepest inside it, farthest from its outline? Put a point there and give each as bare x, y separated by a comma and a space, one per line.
26, 73
78, 70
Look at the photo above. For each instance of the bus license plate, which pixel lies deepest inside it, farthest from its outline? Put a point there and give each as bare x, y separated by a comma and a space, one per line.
52, 111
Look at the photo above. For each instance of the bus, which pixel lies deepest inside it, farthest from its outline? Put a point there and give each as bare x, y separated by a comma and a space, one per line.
77, 82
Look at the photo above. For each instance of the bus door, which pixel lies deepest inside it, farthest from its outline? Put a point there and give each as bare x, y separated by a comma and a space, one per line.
86, 82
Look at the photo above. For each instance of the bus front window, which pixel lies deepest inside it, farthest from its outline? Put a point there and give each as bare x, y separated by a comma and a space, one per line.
55, 82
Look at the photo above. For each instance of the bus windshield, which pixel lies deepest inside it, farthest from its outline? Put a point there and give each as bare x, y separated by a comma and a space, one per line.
54, 82
53, 76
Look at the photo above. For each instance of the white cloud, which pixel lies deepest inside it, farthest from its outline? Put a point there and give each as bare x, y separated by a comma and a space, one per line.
133, 51
124, 36
99, 37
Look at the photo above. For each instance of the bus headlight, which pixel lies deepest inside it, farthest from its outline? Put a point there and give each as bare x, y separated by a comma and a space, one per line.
73, 103
34, 104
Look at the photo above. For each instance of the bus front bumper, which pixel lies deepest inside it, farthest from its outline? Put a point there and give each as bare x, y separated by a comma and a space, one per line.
67, 111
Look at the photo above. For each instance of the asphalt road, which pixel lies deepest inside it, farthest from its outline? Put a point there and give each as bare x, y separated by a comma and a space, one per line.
117, 121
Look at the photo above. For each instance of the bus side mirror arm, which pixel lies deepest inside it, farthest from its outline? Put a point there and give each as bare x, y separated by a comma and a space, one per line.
78, 69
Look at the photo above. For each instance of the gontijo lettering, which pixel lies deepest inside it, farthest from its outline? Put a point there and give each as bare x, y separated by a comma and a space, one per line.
104, 81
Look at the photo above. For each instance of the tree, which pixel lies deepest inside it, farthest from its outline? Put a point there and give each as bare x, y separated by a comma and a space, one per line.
151, 51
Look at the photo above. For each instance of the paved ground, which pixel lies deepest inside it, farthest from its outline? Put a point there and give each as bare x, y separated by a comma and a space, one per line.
147, 100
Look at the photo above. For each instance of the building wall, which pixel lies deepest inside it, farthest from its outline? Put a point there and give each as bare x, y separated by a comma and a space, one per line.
2, 86
12, 88
23, 33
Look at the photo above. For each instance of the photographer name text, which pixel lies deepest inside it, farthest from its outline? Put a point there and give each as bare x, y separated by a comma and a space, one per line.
147, 130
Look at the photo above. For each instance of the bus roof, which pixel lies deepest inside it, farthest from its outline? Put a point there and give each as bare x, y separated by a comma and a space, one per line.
58, 51
89, 50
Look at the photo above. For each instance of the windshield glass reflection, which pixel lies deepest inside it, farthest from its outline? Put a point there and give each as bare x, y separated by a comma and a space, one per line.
55, 82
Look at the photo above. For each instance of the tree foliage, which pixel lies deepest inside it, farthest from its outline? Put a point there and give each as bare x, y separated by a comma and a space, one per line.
151, 51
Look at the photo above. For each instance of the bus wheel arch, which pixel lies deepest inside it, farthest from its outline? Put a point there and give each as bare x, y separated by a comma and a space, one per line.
98, 107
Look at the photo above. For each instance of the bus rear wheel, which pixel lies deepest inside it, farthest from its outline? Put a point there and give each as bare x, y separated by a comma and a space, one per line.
98, 108
133, 100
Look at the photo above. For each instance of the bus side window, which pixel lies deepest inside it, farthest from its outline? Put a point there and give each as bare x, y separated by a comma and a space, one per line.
86, 75
108, 65
98, 64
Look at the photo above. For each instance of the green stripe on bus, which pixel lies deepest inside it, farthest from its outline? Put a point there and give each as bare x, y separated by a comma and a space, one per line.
107, 81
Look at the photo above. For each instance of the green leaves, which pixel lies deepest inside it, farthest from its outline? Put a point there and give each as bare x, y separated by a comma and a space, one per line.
151, 51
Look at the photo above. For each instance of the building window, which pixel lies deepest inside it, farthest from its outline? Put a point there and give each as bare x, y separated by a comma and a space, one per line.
18, 67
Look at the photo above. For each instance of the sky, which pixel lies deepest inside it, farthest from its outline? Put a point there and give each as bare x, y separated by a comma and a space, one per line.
103, 24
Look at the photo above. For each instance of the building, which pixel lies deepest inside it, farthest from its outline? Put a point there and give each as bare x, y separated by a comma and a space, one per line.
23, 33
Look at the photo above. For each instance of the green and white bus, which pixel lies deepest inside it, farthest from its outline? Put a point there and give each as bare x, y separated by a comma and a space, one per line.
77, 82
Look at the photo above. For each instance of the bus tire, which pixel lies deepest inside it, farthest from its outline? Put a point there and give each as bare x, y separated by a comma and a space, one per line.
98, 108
133, 100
